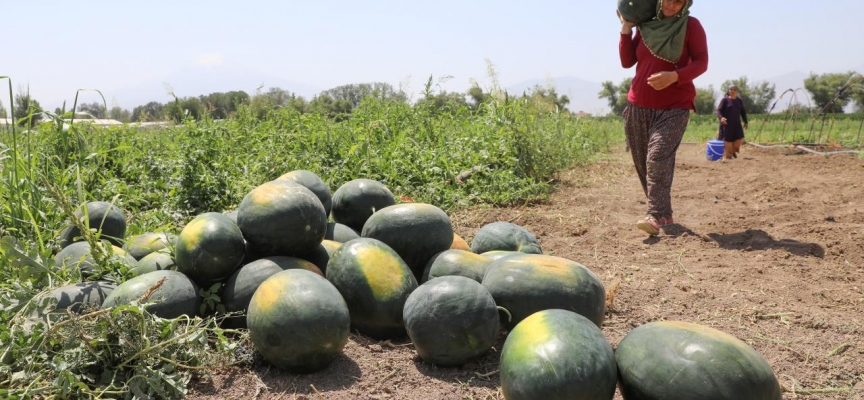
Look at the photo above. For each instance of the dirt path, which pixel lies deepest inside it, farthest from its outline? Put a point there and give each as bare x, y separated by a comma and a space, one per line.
770, 249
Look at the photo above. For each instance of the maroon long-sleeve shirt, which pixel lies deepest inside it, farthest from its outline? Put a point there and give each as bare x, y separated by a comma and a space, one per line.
693, 62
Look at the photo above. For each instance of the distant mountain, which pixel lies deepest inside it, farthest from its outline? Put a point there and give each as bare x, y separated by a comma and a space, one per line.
582, 93
194, 81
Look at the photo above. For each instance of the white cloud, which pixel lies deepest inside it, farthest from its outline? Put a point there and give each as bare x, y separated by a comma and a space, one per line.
210, 60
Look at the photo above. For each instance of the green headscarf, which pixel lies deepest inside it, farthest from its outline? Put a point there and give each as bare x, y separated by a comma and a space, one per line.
664, 37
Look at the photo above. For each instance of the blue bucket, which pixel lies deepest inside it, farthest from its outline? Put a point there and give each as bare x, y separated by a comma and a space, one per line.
714, 150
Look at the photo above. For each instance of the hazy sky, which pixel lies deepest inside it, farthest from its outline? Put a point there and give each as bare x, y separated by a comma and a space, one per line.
58, 47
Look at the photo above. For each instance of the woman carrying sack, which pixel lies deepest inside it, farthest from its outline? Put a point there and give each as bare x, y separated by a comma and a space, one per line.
669, 51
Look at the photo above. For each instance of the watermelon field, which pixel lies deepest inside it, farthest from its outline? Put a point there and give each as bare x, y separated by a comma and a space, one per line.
412, 252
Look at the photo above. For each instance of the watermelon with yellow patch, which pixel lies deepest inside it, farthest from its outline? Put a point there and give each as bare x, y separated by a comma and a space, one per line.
558, 354
314, 183
682, 360
281, 218
457, 262
451, 320
375, 283
140, 246
105, 218
417, 231
209, 249
503, 235
298, 321
155, 261
241, 285
527, 283
321, 256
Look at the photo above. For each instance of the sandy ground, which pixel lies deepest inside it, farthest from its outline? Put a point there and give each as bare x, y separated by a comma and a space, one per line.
769, 248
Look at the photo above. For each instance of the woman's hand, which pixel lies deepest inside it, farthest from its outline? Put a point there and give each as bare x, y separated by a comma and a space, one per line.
723, 121
745, 125
662, 80
626, 26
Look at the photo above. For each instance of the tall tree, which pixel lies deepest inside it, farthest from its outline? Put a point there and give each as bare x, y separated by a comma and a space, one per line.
706, 100
548, 96
27, 108
97, 110
477, 95
831, 92
152, 111
616, 96
120, 114
355, 93
756, 97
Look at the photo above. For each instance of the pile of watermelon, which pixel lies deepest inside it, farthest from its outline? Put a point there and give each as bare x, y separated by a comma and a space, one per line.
300, 268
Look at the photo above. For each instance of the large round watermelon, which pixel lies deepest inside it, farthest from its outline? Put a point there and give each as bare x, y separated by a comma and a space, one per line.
281, 218
77, 296
240, 287
527, 283
209, 249
416, 231
174, 296
681, 360
457, 262
504, 236
355, 201
451, 320
298, 321
375, 283
340, 232
558, 354
107, 219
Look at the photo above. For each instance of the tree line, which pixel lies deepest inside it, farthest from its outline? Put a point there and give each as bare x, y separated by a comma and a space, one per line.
831, 93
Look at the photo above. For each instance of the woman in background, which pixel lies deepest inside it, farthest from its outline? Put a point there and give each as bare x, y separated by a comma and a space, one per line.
669, 52
730, 112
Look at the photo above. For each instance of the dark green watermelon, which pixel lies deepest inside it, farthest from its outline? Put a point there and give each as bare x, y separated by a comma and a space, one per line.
375, 283
680, 360
527, 283
356, 200
312, 182
79, 255
638, 11
558, 355
209, 249
141, 245
417, 231
451, 320
107, 219
80, 295
457, 262
176, 295
298, 321
340, 233
155, 261
504, 236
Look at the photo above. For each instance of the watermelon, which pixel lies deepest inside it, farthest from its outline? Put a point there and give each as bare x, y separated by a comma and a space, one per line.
558, 354
176, 295
638, 11
356, 200
239, 288
282, 218
78, 296
321, 256
459, 243
527, 283
682, 360
209, 249
375, 283
504, 236
141, 245
79, 255
457, 262
104, 217
340, 232
417, 231
298, 321
155, 261
451, 320
496, 254
314, 183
